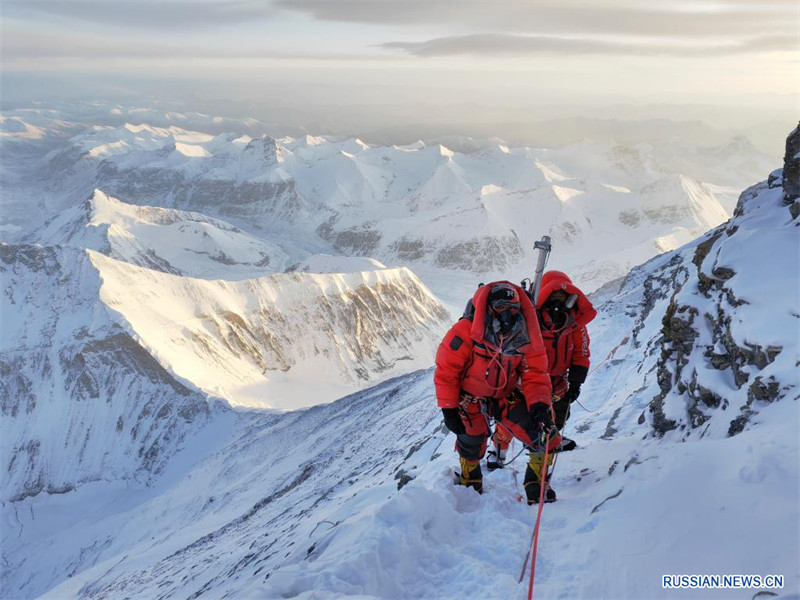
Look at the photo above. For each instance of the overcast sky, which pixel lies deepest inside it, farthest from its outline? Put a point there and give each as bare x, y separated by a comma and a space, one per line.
390, 62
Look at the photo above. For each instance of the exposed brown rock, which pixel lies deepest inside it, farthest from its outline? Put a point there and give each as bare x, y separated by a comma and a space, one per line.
791, 167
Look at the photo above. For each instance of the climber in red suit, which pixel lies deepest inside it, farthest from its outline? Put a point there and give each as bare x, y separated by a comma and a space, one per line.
483, 363
563, 311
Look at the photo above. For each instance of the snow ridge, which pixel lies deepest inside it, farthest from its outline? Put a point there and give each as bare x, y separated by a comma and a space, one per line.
281, 341
168, 240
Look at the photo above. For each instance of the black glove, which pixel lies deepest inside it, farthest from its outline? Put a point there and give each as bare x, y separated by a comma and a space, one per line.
541, 422
573, 392
452, 420
577, 375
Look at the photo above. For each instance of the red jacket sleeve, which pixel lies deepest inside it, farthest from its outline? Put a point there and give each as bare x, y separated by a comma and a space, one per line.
535, 379
451, 359
580, 342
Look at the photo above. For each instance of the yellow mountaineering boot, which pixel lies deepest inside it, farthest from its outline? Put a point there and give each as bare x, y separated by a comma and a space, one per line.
471, 475
532, 481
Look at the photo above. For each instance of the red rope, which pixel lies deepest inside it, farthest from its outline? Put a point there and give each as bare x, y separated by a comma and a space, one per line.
542, 486
496, 358
611, 354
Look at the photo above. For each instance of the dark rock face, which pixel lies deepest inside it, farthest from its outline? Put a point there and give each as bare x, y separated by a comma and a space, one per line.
264, 149
688, 332
775, 179
791, 168
409, 249
481, 254
261, 202
361, 241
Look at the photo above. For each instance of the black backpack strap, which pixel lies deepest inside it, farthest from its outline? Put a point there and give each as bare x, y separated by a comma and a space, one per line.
469, 311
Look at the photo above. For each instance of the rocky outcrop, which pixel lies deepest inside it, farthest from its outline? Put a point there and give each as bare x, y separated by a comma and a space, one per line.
702, 325
481, 255
701, 329
259, 201
264, 149
791, 168
362, 240
677, 342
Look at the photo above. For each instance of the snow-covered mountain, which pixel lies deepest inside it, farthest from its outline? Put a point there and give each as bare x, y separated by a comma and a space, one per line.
454, 217
103, 112
173, 241
281, 341
82, 400
713, 328
687, 455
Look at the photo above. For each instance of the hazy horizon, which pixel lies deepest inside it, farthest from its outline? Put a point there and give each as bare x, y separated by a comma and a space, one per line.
396, 70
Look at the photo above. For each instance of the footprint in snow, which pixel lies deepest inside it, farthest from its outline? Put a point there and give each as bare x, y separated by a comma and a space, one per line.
588, 527
557, 523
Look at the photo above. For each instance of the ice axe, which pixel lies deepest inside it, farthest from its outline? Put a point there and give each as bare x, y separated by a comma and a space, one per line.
544, 247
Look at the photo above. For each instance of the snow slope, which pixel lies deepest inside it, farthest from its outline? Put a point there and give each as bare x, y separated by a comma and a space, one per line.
354, 498
717, 323
324, 517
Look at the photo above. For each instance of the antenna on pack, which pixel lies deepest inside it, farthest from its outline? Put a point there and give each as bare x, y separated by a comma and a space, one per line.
544, 248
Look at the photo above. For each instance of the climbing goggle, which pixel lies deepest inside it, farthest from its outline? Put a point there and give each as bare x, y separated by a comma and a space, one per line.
501, 305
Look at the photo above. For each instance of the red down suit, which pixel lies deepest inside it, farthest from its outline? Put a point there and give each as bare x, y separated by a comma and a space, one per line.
568, 345
477, 368
471, 360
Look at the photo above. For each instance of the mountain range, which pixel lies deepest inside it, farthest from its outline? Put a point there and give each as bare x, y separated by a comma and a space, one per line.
454, 217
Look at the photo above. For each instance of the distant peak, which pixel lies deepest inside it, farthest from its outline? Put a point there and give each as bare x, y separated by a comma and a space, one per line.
192, 150
99, 194
266, 148
739, 144
137, 128
314, 140
418, 145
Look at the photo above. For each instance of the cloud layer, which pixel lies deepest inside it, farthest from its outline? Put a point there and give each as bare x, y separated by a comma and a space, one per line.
488, 45
394, 62
143, 14
657, 18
